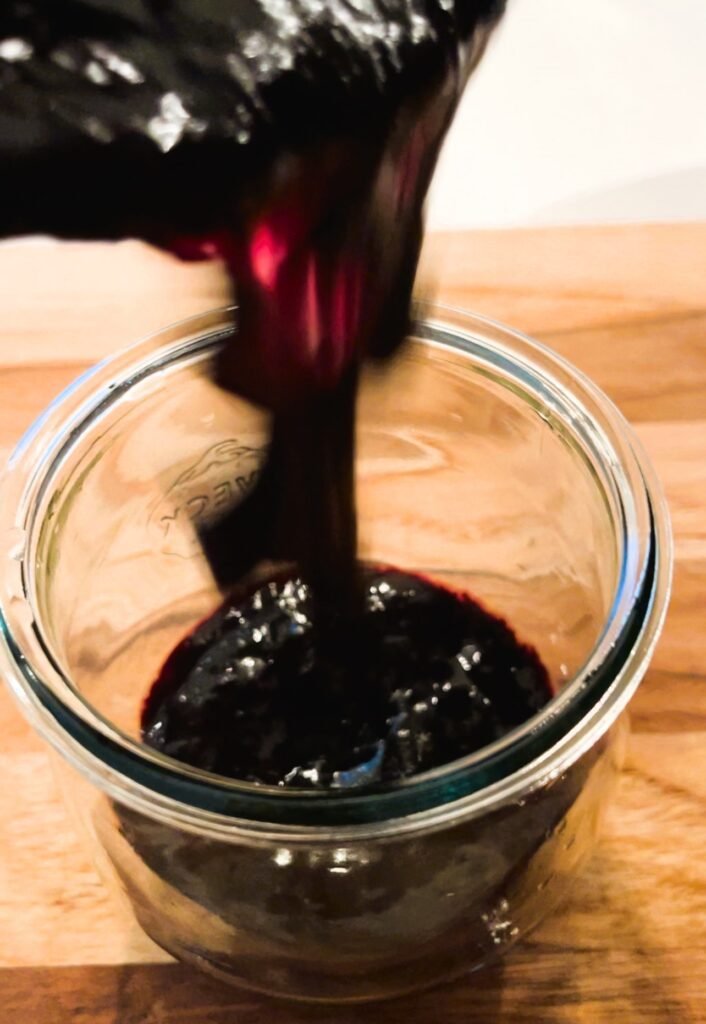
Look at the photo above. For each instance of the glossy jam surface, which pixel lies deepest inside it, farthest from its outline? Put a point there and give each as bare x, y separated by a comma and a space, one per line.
265, 691
155, 116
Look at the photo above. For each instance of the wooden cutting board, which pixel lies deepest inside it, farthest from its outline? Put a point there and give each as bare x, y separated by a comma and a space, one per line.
627, 305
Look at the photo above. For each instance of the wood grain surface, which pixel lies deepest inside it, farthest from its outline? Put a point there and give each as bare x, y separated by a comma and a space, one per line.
627, 305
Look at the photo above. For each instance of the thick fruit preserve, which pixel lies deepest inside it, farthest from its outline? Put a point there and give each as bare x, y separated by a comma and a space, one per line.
277, 689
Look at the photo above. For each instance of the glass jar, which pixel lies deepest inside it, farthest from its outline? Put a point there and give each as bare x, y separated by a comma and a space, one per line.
484, 461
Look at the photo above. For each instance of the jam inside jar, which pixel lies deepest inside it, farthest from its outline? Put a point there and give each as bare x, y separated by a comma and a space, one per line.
278, 688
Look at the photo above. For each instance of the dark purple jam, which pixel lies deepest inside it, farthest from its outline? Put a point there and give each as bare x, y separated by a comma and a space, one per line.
295, 141
264, 691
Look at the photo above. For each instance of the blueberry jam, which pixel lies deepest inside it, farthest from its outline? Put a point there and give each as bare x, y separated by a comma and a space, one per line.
294, 141
259, 692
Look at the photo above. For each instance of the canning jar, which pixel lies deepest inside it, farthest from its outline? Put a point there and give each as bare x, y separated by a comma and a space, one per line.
483, 461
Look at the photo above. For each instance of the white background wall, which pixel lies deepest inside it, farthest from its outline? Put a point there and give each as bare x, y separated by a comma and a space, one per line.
582, 110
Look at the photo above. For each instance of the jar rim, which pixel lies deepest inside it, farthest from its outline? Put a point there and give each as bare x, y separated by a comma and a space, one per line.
540, 748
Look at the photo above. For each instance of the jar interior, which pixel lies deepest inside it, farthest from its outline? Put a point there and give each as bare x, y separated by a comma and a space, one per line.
466, 472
